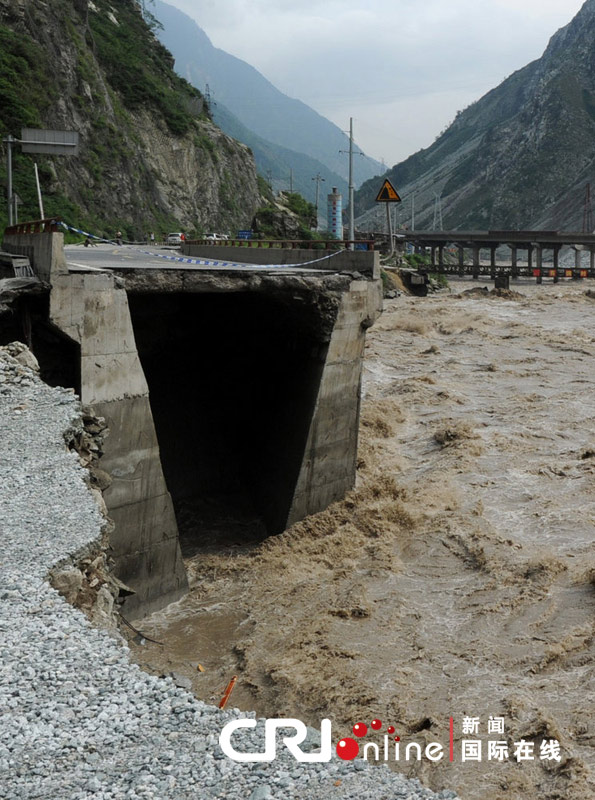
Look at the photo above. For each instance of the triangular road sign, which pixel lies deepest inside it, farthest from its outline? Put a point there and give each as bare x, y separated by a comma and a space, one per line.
388, 193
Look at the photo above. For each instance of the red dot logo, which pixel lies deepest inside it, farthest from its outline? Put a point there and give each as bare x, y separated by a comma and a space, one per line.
347, 749
376, 724
391, 729
360, 729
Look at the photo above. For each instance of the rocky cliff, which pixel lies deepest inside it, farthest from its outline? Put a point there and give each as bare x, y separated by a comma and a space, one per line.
279, 123
520, 157
151, 158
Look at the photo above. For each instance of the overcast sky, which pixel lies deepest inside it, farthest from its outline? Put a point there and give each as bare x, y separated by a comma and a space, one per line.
400, 68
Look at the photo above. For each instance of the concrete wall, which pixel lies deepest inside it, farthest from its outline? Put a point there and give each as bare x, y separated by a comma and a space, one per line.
328, 466
44, 250
366, 262
92, 310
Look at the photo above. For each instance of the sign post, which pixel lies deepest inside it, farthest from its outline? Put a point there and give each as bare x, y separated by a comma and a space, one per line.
388, 194
39, 199
9, 142
33, 140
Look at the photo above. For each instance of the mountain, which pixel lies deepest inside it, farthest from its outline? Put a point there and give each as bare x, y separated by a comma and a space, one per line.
151, 158
257, 104
276, 161
518, 158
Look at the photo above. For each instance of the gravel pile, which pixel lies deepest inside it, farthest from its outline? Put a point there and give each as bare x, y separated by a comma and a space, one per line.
77, 719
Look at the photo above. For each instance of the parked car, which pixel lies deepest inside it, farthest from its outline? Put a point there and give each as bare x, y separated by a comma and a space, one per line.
175, 238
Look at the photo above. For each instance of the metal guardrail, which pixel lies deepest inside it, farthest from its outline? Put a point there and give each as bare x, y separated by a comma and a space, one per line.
49, 225
520, 238
517, 271
287, 244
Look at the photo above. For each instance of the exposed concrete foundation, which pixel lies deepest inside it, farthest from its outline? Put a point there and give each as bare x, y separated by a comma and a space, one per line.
93, 310
234, 393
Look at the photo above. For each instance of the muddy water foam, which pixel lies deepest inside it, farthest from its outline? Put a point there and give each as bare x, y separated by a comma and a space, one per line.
458, 578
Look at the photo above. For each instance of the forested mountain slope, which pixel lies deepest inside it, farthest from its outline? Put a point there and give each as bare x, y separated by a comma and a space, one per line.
151, 158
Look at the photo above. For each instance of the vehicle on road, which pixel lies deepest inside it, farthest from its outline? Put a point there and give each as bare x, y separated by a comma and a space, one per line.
175, 238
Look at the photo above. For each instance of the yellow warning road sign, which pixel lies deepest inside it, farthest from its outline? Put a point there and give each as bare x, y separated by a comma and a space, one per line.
388, 193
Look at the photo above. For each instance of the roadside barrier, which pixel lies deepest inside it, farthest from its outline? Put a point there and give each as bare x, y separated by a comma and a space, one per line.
203, 262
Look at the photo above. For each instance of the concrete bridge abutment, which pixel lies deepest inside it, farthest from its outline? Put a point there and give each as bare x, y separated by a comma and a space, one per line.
232, 399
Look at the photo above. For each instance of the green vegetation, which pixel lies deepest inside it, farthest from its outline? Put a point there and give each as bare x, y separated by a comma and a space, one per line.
143, 76
305, 211
26, 85
204, 142
416, 260
265, 189
26, 90
296, 203
111, 68
440, 279
291, 217
267, 222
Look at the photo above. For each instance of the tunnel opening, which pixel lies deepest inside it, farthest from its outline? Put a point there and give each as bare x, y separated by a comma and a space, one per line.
233, 380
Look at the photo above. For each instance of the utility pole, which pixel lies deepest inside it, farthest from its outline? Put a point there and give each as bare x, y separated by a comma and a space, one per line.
438, 213
9, 142
17, 202
318, 178
389, 226
351, 211
291, 181
209, 98
351, 234
587, 211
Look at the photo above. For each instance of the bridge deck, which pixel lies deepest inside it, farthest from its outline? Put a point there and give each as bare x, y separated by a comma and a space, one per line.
109, 257
459, 252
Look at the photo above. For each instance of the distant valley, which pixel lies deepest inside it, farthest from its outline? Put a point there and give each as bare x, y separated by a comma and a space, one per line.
284, 134
520, 157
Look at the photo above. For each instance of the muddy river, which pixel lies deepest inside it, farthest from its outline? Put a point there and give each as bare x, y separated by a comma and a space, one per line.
457, 580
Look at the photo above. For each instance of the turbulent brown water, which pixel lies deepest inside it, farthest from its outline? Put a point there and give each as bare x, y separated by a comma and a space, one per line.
458, 578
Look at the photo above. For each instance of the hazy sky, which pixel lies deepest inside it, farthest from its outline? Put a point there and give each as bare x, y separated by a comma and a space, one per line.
400, 68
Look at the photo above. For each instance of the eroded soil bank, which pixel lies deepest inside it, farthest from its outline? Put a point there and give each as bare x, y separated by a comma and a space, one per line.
457, 579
